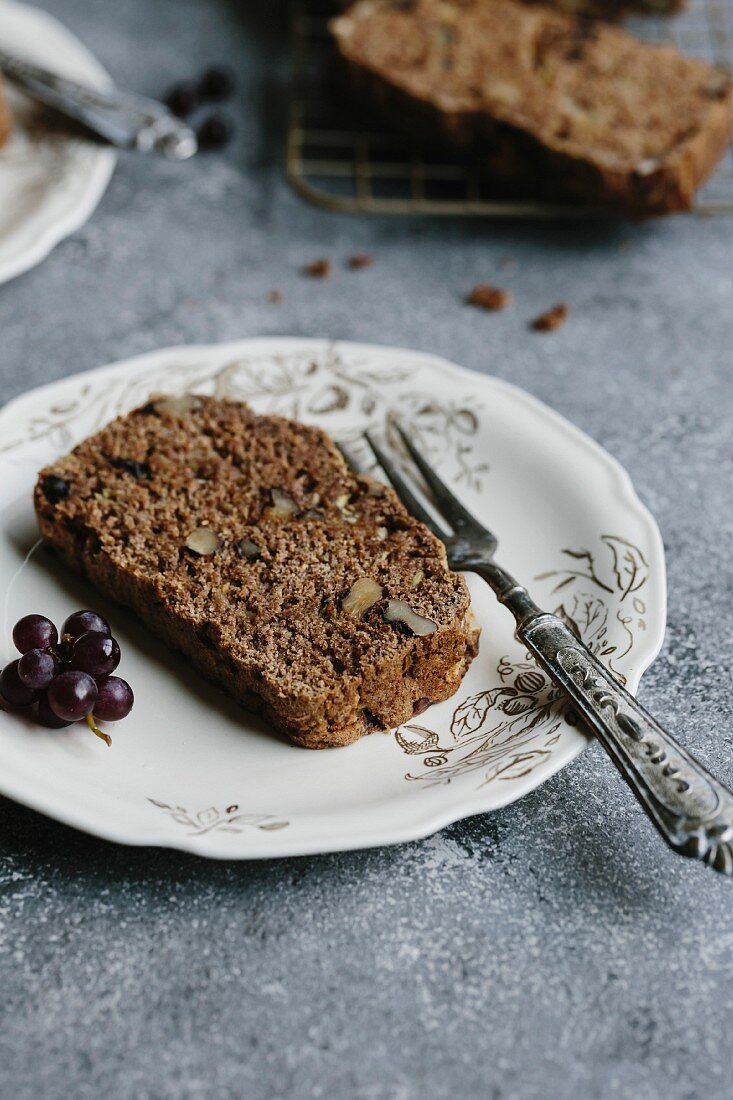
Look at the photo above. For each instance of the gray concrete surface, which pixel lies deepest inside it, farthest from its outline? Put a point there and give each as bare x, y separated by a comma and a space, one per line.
552, 950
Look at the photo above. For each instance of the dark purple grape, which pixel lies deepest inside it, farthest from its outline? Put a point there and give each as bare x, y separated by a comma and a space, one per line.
72, 695
95, 653
114, 701
34, 632
182, 98
37, 668
214, 132
12, 688
62, 652
218, 82
81, 622
47, 717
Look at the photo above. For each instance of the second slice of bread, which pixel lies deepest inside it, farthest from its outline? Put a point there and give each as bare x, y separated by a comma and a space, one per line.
577, 108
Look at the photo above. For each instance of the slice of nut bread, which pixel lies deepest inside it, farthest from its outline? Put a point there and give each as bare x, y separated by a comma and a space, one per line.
571, 107
245, 542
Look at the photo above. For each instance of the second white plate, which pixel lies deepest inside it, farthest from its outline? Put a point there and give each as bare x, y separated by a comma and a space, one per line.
189, 769
50, 182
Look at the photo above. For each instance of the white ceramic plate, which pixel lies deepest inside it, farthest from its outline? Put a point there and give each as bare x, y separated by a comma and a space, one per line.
189, 769
50, 182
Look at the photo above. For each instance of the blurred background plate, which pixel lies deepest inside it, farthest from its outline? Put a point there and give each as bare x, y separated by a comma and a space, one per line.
189, 768
50, 180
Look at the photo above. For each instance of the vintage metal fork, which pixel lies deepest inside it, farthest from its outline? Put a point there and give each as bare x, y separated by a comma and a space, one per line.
690, 808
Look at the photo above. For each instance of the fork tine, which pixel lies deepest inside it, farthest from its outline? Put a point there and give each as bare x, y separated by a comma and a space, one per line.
403, 490
450, 505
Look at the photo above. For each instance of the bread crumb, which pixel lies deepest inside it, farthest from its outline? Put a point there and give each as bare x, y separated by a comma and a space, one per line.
319, 269
275, 296
360, 260
489, 297
552, 319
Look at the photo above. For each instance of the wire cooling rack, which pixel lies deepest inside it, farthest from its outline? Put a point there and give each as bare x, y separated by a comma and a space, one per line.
339, 162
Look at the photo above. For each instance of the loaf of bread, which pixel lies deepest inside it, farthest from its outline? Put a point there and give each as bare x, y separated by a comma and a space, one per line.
574, 108
245, 542
5, 123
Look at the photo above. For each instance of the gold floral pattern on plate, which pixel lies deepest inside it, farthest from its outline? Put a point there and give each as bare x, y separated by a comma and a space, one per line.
326, 387
505, 731
229, 820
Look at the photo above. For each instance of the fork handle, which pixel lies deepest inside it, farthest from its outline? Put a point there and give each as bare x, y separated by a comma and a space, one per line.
690, 808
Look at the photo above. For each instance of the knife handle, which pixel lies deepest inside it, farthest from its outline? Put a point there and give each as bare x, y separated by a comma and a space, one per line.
126, 120
690, 808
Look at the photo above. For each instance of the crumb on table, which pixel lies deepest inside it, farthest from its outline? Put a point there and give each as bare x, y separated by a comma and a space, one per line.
318, 269
551, 319
489, 297
360, 260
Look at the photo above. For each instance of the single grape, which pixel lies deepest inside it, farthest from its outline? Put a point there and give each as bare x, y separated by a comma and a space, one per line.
81, 622
34, 632
218, 82
47, 717
12, 688
37, 668
182, 98
215, 132
62, 651
115, 699
95, 653
72, 695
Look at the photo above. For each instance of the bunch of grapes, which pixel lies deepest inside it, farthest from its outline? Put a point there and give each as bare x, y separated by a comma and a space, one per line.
69, 679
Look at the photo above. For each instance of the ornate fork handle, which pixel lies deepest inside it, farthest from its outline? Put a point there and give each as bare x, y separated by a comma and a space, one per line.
690, 808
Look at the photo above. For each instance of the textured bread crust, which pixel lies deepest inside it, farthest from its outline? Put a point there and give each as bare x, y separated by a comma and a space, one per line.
576, 108
5, 120
263, 614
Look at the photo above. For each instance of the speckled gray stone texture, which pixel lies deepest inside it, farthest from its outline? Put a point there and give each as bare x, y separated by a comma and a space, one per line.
552, 950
